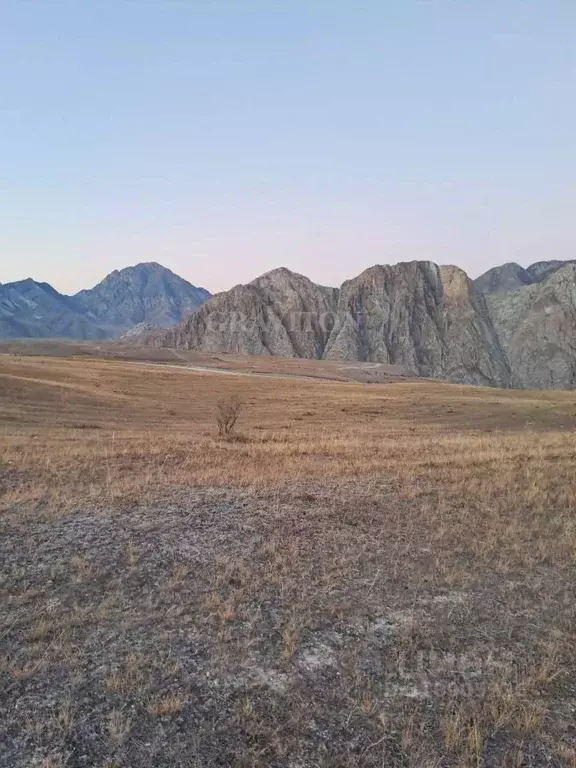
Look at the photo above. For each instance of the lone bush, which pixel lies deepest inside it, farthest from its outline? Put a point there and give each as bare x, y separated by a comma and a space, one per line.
227, 413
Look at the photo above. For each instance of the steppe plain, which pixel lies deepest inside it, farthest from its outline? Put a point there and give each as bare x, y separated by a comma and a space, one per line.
361, 574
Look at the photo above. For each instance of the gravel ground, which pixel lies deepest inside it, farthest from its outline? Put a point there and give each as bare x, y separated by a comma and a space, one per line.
219, 628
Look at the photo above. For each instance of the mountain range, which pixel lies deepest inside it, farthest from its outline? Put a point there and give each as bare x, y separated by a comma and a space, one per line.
511, 327
147, 295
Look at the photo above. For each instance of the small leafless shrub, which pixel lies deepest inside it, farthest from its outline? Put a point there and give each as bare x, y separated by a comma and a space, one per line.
227, 413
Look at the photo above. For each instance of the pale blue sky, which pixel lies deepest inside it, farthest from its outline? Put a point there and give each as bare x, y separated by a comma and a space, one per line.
229, 137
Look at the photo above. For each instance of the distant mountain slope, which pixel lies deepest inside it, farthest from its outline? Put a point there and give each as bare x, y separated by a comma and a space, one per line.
511, 276
35, 310
147, 294
508, 277
543, 269
536, 326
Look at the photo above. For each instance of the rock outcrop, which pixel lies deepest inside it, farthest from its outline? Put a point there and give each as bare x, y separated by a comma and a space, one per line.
508, 277
536, 327
428, 319
280, 313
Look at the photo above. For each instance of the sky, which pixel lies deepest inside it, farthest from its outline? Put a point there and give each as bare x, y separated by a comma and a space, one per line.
224, 138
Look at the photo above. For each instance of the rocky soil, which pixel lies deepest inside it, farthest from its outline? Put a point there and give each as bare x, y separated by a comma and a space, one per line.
217, 628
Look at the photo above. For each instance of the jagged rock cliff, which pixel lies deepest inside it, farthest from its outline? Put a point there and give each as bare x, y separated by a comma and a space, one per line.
428, 319
280, 313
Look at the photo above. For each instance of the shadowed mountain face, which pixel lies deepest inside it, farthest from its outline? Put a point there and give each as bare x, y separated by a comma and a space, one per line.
543, 269
145, 294
508, 277
35, 310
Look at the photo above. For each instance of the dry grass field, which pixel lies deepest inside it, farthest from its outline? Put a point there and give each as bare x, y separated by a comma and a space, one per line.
373, 373
360, 575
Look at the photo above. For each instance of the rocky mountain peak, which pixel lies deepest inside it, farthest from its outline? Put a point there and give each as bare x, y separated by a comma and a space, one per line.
507, 277
146, 293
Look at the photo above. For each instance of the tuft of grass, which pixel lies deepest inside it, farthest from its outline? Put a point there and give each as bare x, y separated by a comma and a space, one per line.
119, 725
291, 637
165, 705
42, 630
131, 555
130, 678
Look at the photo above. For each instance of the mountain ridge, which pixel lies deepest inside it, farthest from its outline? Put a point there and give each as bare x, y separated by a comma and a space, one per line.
510, 327
511, 275
432, 320
146, 293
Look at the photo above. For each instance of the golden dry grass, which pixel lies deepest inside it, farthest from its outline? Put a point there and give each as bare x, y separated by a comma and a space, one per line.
73, 428
126, 351
444, 514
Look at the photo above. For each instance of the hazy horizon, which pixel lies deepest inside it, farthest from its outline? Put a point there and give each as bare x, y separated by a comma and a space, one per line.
224, 139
